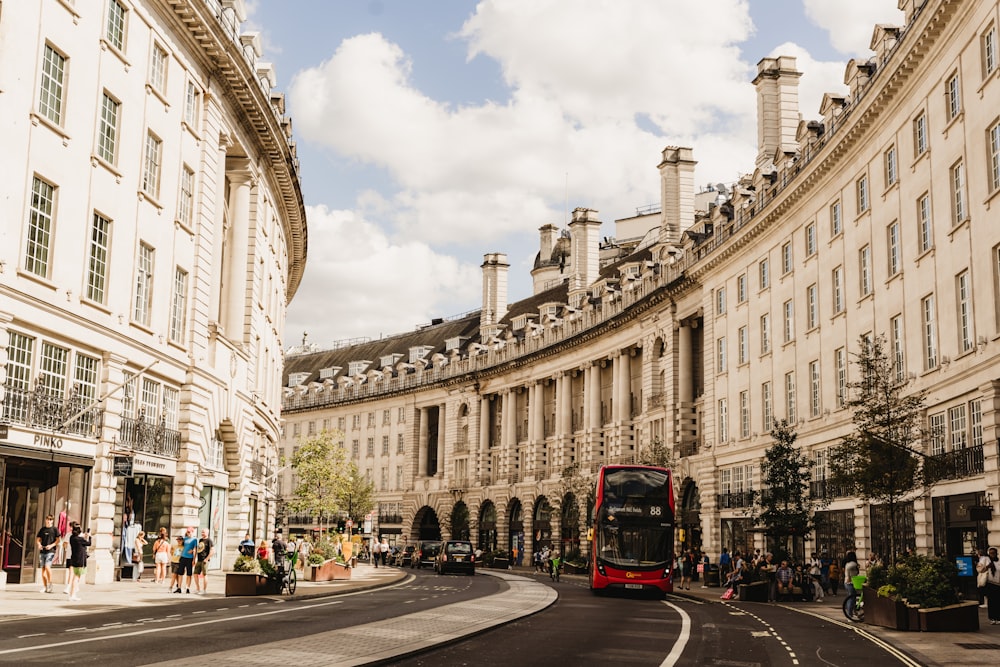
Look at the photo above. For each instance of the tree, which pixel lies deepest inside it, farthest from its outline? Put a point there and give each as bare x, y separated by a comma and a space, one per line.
880, 461
657, 454
786, 510
582, 489
355, 493
320, 465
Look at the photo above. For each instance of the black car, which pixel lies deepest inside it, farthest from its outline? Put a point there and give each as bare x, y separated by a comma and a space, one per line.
456, 556
426, 554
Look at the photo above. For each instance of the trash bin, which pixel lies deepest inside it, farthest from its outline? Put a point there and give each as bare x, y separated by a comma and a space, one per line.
712, 576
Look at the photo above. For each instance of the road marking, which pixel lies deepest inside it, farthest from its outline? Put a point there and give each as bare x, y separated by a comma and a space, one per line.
888, 648
37, 634
172, 628
198, 612
682, 638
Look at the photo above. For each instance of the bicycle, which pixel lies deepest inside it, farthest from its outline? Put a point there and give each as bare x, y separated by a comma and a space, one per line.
287, 579
555, 565
859, 601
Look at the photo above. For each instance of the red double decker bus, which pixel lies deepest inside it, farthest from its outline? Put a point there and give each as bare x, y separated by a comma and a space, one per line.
633, 535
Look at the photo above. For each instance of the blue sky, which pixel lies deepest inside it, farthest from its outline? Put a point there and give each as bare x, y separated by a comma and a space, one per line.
432, 132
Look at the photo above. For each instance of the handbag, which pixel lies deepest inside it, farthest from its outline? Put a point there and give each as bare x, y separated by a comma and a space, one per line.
982, 579
136, 557
728, 595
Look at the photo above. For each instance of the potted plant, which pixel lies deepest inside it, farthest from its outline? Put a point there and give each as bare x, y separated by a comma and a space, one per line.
574, 563
244, 577
921, 593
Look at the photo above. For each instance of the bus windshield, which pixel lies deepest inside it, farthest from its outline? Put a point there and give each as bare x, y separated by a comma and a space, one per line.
635, 521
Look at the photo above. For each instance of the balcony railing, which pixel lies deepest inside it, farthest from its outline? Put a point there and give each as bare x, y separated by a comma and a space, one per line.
44, 409
825, 488
389, 518
145, 436
957, 464
736, 500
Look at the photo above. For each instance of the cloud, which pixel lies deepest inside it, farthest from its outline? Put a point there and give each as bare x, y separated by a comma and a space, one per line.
360, 283
850, 22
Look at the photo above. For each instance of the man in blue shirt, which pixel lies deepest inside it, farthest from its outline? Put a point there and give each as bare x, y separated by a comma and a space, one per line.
186, 564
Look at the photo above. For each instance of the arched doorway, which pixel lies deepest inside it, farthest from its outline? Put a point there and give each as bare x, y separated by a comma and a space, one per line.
487, 540
541, 525
425, 524
690, 517
569, 524
516, 541
460, 521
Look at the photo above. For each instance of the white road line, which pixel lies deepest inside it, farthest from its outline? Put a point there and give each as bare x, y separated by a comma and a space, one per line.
37, 634
172, 628
682, 638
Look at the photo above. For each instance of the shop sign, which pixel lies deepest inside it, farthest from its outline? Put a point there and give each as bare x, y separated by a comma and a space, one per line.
123, 466
48, 442
3, 431
154, 465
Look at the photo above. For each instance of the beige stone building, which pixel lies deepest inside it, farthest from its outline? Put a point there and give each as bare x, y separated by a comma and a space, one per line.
153, 234
707, 320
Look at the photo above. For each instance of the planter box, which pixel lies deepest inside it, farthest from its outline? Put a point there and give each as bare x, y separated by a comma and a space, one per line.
501, 563
885, 612
330, 570
573, 569
755, 592
242, 583
961, 617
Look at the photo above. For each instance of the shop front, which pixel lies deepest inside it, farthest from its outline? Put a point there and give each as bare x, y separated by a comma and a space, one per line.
211, 515
143, 502
40, 474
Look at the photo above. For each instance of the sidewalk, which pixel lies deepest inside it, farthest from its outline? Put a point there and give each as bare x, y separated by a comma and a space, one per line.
20, 601
925, 648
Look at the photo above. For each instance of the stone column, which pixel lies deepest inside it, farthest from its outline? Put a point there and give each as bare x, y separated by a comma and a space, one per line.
235, 294
422, 444
441, 439
484, 436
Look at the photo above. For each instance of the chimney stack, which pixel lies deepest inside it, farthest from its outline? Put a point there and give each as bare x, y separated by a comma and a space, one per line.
676, 193
777, 84
584, 231
495, 268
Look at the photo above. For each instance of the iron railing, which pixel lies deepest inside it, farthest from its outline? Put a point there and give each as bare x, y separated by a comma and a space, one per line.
736, 500
44, 409
957, 464
153, 438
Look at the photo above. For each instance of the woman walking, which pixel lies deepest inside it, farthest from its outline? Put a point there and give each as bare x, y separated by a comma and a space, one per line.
851, 570
991, 567
161, 556
137, 555
78, 543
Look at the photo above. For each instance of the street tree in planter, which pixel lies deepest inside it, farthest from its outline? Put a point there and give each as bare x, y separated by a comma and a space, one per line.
321, 467
355, 493
784, 508
881, 461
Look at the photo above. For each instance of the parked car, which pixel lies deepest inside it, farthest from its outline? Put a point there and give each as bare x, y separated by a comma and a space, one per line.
426, 553
456, 556
405, 556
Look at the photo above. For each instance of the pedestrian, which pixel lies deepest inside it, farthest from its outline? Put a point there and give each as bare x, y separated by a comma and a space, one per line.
706, 563
384, 550
376, 548
725, 563
305, 548
834, 577
981, 559
687, 567
161, 556
851, 570
829, 584
206, 549
186, 563
47, 540
175, 563
262, 550
78, 543
991, 567
816, 574
278, 549
137, 555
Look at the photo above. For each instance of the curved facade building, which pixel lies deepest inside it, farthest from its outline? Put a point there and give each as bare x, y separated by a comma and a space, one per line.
716, 315
153, 233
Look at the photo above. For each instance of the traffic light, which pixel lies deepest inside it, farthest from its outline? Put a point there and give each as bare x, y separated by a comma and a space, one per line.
341, 526
681, 534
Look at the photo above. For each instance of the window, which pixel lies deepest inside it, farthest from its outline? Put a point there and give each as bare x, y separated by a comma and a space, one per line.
385, 418
935, 424
744, 414
50, 97
989, 46
40, 216
741, 288
958, 209
401, 416
862, 191
385, 445
810, 239
836, 219
815, 404
764, 270
192, 102
790, 396
891, 171
185, 202
355, 421
143, 285
371, 420
925, 230
97, 258
840, 363
920, 134
993, 149
720, 301
114, 32
399, 478
957, 427
789, 321
741, 337
963, 289
838, 290
892, 241
896, 331
765, 333
767, 414
976, 422
721, 354
158, 68
930, 332
341, 424
400, 448
355, 448
812, 307
953, 93
723, 420
370, 450
151, 166
296, 430
311, 428
865, 273
786, 258
107, 131
178, 306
